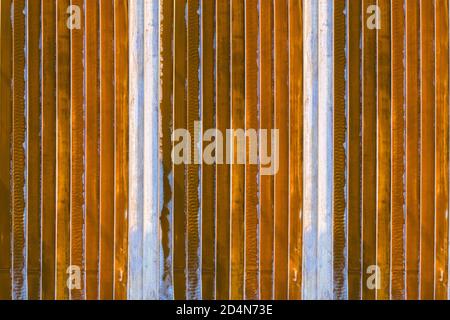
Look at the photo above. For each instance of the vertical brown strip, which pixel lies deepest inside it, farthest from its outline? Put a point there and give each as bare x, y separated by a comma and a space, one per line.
34, 150
92, 178
223, 170
193, 169
398, 151
266, 74
383, 191
354, 168
77, 149
427, 145
281, 61
295, 147
251, 168
48, 149
412, 150
18, 152
63, 142
339, 160
369, 151
442, 149
180, 122
166, 124
208, 170
5, 147
121, 149
237, 169
107, 144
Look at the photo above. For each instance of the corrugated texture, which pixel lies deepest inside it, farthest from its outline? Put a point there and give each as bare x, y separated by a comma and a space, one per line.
442, 149
136, 106
92, 160
166, 191
354, 150
237, 240
295, 149
18, 152
281, 115
208, 199
179, 109
34, 107
121, 149
193, 173
107, 143
77, 152
63, 149
266, 196
59, 97
48, 152
223, 116
147, 13
324, 264
427, 149
384, 149
398, 152
310, 150
346, 100
251, 170
369, 152
404, 150
339, 156
5, 145
412, 150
